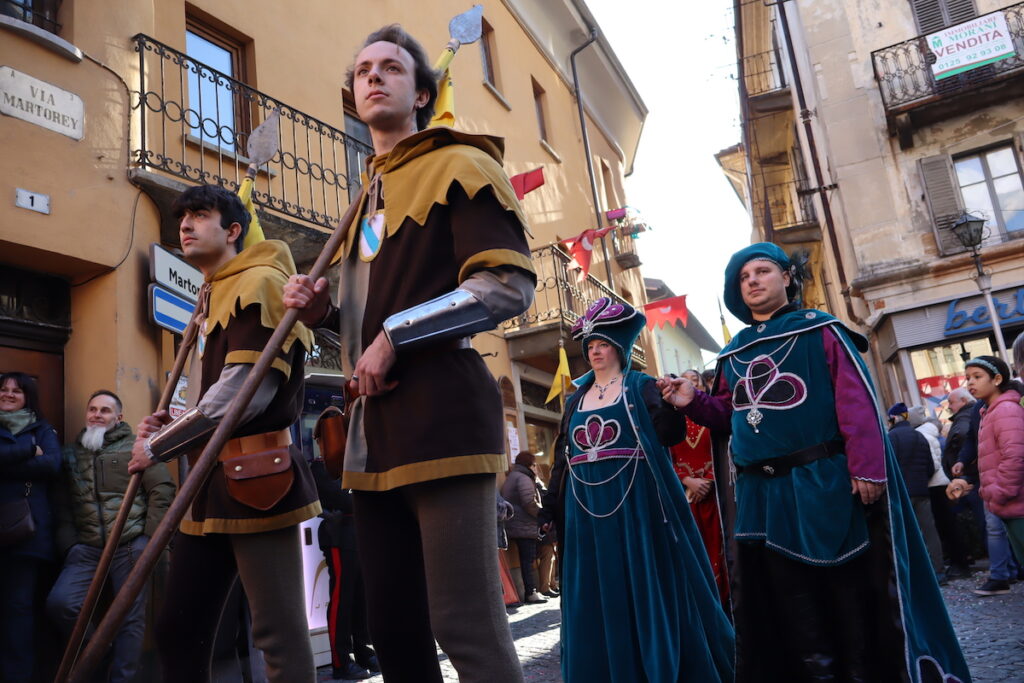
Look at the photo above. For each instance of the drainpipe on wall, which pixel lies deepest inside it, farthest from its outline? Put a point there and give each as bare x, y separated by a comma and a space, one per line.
586, 151
819, 179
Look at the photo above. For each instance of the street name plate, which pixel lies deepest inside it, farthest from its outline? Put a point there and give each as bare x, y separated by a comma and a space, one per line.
173, 272
41, 103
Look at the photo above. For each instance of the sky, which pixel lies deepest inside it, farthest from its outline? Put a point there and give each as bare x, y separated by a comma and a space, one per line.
681, 58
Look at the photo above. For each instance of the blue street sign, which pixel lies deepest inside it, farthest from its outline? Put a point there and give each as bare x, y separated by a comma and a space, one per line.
168, 310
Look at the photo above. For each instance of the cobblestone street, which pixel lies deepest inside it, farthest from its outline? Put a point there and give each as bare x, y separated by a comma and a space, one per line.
991, 632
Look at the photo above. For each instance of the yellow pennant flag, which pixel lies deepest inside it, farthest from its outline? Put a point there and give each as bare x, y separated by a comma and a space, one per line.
725, 330
444, 108
255, 234
562, 376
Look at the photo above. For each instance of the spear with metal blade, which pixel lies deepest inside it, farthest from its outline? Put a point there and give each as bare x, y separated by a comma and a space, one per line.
463, 29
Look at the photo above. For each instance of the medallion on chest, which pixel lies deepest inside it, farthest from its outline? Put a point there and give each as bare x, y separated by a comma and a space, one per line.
762, 385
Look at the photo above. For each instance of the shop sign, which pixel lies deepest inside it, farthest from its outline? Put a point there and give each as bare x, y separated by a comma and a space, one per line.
969, 45
41, 103
174, 273
961, 319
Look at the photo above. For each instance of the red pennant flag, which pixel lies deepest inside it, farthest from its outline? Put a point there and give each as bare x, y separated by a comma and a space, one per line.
581, 248
527, 182
667, 311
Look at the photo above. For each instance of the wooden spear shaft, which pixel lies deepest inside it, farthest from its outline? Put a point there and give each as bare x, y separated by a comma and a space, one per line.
107, 629
114, 536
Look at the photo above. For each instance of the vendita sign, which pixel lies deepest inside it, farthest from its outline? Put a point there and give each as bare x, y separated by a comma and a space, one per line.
960, 321
969, 45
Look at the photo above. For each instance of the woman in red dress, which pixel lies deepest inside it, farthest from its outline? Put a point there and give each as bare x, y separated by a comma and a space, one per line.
693, 463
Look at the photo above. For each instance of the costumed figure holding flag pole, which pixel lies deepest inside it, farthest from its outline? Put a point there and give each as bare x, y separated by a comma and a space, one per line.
244, 521
439, 253
832, 579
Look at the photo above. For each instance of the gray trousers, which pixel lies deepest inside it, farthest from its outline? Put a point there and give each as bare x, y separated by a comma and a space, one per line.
430, 564
203, 569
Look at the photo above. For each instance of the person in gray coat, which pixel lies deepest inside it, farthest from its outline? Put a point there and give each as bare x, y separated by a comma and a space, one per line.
520, 489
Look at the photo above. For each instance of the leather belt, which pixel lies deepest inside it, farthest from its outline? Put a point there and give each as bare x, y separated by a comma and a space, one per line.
780, 467
255, 443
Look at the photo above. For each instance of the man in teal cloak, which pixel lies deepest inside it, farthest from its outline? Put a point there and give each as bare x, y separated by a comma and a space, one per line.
832, 579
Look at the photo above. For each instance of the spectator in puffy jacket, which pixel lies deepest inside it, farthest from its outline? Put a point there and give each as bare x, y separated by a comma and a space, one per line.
917, 466
29, 462
1000, 444
95, 479
520, 489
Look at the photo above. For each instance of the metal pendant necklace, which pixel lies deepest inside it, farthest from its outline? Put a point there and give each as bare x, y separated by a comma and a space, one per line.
601, 389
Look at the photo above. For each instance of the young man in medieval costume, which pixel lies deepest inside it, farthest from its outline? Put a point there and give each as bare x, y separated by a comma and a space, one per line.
438, 253
833, 579
245, 520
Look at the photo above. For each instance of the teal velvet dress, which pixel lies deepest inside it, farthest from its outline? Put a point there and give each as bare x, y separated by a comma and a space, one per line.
639, 601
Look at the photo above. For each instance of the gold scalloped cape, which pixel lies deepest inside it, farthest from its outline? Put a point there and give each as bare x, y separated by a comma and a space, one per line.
256, 276
419, 172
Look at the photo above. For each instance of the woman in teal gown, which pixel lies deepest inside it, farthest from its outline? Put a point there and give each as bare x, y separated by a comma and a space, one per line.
639, 601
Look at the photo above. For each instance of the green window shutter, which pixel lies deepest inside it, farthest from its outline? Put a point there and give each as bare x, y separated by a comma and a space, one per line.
943, 194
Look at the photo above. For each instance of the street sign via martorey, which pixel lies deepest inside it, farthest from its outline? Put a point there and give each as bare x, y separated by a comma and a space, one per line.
173, 272
168, 310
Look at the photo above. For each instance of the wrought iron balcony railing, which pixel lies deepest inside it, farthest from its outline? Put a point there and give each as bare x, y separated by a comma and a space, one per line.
904, 73
561, 298
762, 73
194, 122
786, 204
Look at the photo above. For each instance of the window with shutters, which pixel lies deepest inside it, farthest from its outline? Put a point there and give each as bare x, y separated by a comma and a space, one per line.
988, 183
943, 195
933, 15
990, 186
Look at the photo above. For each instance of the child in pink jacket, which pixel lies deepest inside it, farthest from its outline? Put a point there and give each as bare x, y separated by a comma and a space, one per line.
1000, 443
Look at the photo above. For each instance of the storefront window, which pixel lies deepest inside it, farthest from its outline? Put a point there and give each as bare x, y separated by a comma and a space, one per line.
940, 369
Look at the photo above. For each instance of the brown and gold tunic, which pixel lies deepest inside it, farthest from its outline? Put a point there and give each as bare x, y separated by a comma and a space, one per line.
444, 210
245, 307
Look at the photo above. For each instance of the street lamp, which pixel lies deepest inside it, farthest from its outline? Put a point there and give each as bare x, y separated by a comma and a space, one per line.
970, 230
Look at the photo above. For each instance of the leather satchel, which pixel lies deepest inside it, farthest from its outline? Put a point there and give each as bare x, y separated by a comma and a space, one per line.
331, 435
16, 522
260, 480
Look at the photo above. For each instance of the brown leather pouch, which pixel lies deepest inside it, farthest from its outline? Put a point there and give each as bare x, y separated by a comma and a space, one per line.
260, 480
331, 434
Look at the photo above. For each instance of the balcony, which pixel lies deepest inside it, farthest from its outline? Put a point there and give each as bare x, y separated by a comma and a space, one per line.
913, 98
560, 301
302, 192
765, 83
787, 210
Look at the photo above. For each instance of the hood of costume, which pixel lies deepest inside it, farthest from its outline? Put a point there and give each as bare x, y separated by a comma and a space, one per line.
619, 324
761, 251
418, 172
255, 276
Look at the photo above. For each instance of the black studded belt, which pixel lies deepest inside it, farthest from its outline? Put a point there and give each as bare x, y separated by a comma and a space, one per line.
780, 467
